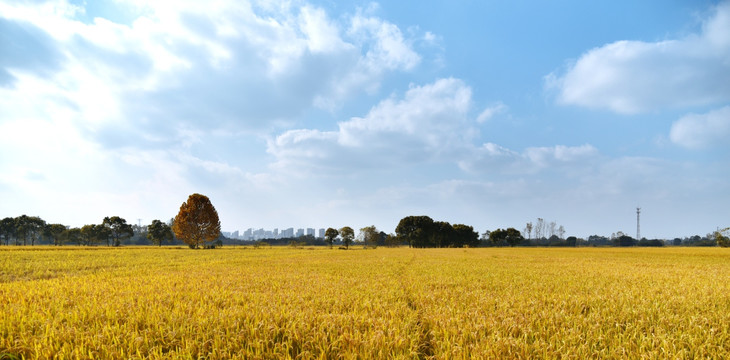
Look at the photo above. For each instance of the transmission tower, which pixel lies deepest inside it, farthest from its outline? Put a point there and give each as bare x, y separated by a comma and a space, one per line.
638, 227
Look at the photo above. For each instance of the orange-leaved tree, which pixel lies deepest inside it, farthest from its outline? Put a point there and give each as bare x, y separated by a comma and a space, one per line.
197, 222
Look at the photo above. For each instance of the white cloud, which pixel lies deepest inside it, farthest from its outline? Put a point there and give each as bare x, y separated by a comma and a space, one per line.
698, 131
389, 51
322, 34
491, 111
635, 76
221, 64
427, 123
430, 124
495, 159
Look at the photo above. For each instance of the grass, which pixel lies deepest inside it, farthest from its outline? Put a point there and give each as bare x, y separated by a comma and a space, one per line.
384, 303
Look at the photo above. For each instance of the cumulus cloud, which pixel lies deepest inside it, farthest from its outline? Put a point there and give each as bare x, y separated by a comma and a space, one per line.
493, 158
635, 76
429, 122
698, 131
233, 65
388, 51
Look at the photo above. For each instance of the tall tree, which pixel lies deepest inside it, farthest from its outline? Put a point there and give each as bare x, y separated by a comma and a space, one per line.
415, 230
539, 228
552, 229
528, 230
7, 229
72, 235
347, 234
197, 222
514, 237
37, 225
721, 237
29, 228
55, 233
118, 229
370, 236
465, 236
93, 234
22, 229
442, 235
158, 232
87, 234
330, 235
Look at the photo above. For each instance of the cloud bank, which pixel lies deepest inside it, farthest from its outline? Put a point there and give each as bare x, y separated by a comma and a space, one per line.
630, 77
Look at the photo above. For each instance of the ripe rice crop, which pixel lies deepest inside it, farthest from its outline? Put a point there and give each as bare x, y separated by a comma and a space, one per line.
265, 303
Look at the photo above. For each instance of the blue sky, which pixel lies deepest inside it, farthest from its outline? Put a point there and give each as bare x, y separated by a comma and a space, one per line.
333, 113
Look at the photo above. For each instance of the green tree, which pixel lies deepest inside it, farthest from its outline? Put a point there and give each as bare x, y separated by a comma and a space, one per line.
118, 229
514, 237
415, 230
29, 228
197, 222
442, 235
93, 234
330, 235
89, 235
722, 238
465, 236
158, 232
370, 236
55, 233
392, 240
624, 240
7, 229
571, 241
347, 235
510, 236
72, 235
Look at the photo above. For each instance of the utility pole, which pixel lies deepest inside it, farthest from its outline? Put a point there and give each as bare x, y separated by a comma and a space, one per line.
638, 227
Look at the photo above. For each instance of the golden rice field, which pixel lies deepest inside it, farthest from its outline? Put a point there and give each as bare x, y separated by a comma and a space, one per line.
271, 303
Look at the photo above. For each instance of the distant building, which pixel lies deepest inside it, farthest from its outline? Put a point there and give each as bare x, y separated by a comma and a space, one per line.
288, 233
259, 234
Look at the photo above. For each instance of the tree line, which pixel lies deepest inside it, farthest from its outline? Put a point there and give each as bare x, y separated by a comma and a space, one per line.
112, 231
197, 225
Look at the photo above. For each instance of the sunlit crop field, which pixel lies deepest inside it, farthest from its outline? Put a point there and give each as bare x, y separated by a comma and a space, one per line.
383, 303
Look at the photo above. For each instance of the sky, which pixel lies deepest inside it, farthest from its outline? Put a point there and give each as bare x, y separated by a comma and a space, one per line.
353, 113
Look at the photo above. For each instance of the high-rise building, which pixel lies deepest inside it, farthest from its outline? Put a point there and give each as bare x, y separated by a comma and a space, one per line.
321, 234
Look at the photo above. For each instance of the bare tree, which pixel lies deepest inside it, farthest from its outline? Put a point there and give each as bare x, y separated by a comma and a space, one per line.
539, 228
561, 232
528, 230
552, 229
